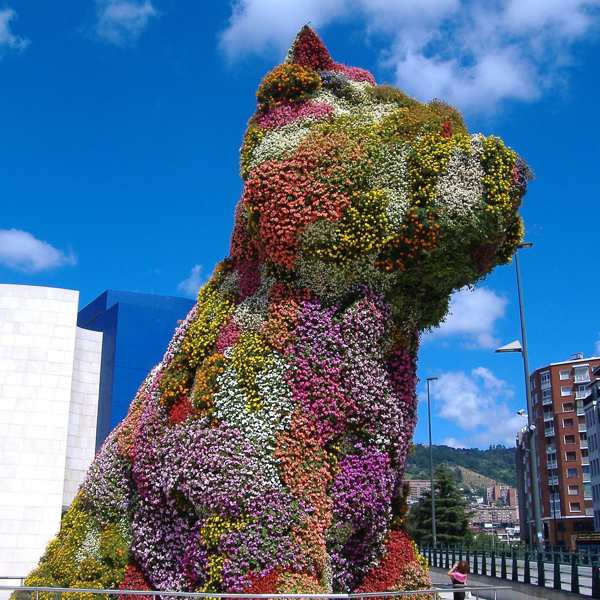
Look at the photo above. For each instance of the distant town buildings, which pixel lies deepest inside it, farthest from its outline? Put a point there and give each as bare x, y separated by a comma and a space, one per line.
501, 494
416, 488
501, 521
496, 513
558, 392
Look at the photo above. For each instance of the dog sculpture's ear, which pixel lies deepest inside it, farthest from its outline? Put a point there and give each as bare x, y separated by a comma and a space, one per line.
309, 51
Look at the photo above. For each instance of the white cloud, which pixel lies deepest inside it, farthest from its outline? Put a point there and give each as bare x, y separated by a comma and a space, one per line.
8, 40
472, 54
22, 251
258, 25
191, 284
472, 318
477, 406
121, 22
453, 443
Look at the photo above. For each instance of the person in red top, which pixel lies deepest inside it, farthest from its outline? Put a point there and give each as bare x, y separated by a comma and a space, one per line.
458, 575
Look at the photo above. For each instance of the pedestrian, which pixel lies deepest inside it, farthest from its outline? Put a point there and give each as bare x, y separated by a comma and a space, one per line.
458, 575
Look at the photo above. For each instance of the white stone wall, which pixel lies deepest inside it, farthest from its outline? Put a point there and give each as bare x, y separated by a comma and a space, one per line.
38, 336
81, 439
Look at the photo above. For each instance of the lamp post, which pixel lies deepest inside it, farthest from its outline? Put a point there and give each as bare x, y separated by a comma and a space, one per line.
531, 437
433, 528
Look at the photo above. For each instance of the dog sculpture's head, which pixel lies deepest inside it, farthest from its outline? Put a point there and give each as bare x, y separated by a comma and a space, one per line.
348, 183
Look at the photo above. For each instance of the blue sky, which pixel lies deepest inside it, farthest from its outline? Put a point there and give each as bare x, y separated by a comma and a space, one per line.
122, 120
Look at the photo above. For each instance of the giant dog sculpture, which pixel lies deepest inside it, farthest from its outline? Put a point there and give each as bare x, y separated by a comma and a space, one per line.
265, 452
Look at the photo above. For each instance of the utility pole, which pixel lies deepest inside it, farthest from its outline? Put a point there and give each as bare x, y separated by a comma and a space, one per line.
531, 436
433, 524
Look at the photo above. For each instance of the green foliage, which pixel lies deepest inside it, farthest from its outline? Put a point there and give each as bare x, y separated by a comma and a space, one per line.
387, 93
497, 462
452, 517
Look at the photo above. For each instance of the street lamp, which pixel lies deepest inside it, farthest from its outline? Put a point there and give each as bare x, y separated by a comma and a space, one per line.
521, 347
433, 529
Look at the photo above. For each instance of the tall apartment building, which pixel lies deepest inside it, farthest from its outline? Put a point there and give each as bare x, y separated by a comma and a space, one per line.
558, 392
592, 417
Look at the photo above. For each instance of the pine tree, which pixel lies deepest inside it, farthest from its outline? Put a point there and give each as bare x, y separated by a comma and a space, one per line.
452, 516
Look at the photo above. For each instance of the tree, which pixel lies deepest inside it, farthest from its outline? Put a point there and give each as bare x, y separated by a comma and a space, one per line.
452, 516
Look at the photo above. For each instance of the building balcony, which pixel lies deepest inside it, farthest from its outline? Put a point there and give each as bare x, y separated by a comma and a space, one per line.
582, 394
589, 512
583, 444
547, 401
582, 428
550, 449
582, 378
548, 416
549, 432
552, 465
553, 480
585, 461
545, 385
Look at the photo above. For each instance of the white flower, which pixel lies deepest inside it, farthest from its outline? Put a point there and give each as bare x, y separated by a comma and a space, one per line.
459, 193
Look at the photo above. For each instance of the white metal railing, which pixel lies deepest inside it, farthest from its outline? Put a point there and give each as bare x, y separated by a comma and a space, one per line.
582, 394
581, 378
552, 464
546, 401
159, 594
549, 432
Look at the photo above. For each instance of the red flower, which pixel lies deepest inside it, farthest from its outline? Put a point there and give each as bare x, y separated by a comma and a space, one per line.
180, 411
134, 580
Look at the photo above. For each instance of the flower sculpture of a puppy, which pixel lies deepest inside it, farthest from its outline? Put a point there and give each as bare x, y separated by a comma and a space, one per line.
265, 452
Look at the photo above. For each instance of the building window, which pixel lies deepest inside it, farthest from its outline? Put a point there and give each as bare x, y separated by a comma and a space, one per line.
571, 456
566, 390
571, 472
582, 373
573, 490
546, 395
545, 377
565, 374
568, 407
569, 439
568, 423
575, 506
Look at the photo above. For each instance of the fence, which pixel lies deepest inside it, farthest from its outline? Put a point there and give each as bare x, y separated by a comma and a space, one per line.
527, 567
33, 593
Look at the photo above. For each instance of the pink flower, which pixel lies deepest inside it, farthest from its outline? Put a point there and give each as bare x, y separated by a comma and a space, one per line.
285, 114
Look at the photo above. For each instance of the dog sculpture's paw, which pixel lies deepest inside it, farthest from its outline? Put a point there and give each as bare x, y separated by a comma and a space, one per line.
265, 452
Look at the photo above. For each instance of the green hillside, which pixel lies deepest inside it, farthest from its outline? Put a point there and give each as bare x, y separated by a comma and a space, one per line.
497, 462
